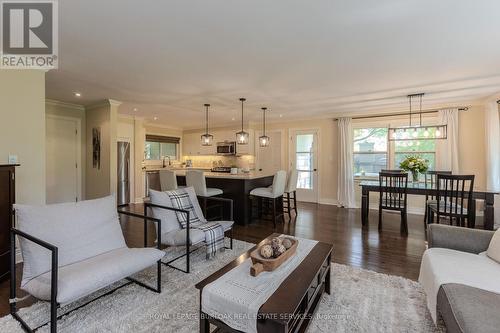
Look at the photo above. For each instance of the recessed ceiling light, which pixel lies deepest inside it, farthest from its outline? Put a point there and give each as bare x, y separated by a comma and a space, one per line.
233, 119
136, 109
281, 116
77, 94
155, 118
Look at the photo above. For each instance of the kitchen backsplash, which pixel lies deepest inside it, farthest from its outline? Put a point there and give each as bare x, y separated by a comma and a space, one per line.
246, 161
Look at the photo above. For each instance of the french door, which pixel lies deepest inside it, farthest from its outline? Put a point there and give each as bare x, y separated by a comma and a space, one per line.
304, 158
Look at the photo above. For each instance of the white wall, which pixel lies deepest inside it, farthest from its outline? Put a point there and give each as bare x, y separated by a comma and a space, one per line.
22, 130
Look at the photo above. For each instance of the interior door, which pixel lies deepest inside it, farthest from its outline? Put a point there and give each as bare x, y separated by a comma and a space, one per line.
304, 158
62, 165
269, 158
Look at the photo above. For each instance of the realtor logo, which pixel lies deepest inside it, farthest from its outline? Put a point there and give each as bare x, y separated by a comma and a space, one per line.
29, 35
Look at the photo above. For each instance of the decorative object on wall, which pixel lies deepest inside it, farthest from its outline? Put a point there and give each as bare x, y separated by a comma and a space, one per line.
264, 139
414, 132
206, 139
96, 147
242, 136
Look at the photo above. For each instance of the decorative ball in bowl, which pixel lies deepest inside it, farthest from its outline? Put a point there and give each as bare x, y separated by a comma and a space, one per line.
272, 254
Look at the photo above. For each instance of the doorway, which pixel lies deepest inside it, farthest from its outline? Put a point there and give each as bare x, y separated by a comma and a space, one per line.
304, 158
63, 178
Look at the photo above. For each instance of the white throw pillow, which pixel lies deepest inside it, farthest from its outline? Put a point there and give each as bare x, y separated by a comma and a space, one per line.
494, 247
80, 230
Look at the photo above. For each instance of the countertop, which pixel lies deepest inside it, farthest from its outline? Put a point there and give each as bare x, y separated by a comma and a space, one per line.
222, 175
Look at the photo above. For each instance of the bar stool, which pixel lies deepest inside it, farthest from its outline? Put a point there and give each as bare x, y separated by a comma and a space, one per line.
290, 195
274, 194
168, 180
197, 180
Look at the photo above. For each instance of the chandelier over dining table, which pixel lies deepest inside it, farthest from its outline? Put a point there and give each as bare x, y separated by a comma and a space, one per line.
420, 131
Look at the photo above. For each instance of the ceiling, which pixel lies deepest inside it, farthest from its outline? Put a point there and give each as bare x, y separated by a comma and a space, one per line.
299, 58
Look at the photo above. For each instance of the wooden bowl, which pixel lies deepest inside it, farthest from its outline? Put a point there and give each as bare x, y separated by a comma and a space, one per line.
261, 264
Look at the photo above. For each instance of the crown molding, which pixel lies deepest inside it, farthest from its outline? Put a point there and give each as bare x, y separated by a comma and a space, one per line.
104, 103
67, 105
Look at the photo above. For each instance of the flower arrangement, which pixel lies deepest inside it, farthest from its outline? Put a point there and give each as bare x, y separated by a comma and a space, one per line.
414, 164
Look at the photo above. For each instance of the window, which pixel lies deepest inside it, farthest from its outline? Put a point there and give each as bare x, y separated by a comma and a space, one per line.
370, 151
305, 160
424, 148
157, 147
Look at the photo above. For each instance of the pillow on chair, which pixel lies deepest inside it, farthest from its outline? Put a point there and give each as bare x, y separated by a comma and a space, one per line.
494, 248
80, 230
183, 199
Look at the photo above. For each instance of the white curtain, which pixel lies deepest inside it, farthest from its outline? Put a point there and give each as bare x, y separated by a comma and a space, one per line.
345, 190
492, 132
447, 149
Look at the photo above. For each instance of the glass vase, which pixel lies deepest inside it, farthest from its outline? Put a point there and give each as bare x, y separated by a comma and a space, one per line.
414, 175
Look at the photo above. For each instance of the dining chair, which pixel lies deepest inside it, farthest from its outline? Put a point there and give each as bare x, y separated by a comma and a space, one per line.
430, 178
393, 170
290, 195
393, 192
168, 180
196, 179
272, 195
453, 193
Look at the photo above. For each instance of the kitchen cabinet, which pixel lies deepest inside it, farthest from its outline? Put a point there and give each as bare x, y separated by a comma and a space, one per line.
191, 144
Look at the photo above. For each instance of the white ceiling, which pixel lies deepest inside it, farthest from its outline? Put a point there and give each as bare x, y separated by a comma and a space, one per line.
300, 58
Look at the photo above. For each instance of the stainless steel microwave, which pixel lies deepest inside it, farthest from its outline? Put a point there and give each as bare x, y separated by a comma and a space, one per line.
226, 148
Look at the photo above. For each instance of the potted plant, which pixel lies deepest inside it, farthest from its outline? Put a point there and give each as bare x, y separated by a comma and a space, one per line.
414, 164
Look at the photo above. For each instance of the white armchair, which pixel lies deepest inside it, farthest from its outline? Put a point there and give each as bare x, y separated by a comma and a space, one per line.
172, 234
71, 250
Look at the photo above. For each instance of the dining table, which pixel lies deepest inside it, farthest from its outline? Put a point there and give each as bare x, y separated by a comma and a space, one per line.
423, 188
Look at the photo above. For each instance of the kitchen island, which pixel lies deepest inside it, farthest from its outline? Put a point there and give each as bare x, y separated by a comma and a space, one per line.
235, 186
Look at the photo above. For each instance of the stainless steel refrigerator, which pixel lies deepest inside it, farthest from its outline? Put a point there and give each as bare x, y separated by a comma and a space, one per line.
123, 195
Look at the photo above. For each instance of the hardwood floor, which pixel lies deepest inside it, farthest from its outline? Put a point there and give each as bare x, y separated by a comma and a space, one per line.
385, 252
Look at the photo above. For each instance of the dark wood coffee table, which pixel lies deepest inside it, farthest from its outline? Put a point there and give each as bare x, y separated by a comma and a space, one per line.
291, 307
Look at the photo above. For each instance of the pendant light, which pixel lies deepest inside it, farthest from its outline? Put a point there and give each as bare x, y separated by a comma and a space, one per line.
206, 139
417, 132
242, 137
264, 139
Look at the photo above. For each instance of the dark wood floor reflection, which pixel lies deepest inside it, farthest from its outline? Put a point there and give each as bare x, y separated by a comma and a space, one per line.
385, 252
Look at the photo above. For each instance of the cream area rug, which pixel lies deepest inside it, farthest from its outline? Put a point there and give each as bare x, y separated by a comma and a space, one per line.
361, 301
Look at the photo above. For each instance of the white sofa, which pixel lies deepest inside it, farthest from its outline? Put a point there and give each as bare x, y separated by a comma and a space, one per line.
461, 282
71, 250
160, 206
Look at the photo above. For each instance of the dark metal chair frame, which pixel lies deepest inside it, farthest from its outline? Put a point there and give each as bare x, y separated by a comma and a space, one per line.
393, 196
290, 203
451, 189
54, 272
188, 245
430, 178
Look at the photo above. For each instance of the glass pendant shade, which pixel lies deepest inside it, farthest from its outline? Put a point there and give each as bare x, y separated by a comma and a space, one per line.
242, 136
206, 139
264, 139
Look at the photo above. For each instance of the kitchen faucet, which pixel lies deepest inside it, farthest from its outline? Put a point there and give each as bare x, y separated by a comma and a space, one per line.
169, 161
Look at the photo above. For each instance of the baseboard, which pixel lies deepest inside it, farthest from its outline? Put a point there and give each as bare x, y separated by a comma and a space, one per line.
328, 201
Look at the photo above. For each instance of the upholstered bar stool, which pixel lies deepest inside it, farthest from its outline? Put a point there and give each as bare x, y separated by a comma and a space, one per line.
273, 194
196, 179
290, 195
168, 180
